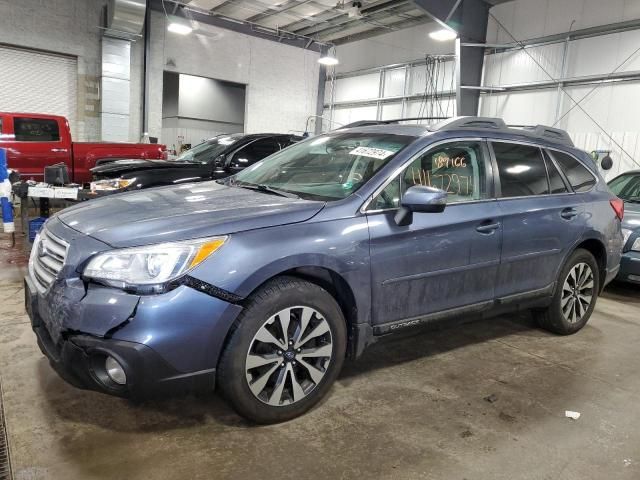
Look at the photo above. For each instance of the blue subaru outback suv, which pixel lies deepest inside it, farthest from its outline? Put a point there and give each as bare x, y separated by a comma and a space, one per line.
261, 284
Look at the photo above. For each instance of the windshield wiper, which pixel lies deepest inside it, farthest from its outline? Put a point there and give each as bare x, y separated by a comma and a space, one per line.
265, 189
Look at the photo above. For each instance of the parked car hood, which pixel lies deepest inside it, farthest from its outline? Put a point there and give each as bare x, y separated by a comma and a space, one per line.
631, 218
183, 212
131, 165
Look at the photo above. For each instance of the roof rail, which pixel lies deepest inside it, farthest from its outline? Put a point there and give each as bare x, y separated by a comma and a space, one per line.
469, 122
366, 123
555, 135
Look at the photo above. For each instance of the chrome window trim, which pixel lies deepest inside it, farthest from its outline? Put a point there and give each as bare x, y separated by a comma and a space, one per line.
400, 169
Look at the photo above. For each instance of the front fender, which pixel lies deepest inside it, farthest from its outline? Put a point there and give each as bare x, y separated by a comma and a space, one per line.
251, 258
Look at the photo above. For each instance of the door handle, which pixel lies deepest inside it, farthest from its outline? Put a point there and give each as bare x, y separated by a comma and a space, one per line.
59, 150
488, 227
569, 213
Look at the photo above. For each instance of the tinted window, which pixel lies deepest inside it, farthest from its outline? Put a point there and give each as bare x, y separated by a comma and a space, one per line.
206, 152
521, 169
580, 178
626, 187
555, 179
36, 130
253, 152
457, 168
326, 167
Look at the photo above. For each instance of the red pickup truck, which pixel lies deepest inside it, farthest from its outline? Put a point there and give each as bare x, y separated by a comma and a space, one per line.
34, 141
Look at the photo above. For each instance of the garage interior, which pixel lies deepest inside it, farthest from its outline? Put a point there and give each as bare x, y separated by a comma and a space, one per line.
483, 400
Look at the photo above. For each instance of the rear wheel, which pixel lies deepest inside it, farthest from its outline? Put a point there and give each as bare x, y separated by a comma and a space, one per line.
284, 351
575, 297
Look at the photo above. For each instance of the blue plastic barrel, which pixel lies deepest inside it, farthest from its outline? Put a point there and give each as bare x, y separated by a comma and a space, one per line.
34, 227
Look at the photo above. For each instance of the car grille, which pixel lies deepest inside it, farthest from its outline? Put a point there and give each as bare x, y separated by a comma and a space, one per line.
47, 259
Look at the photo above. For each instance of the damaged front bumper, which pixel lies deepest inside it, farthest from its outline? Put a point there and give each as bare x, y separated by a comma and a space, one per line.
165, 343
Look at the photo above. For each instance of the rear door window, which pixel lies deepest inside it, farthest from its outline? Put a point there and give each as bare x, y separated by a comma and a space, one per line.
36, 130
579, 176
521, 170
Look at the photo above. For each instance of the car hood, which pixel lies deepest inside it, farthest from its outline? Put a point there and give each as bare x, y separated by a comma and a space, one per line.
631, 218
183, 212
118, 167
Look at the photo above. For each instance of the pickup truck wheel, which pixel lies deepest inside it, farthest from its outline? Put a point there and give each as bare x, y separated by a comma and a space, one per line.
284, 351
577, 289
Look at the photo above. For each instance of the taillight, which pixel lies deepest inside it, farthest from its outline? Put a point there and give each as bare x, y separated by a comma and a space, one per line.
618, 206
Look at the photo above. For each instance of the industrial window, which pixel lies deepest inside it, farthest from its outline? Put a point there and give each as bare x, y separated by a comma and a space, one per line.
521, 169
580, 178
556, 183
36, 130
457, 168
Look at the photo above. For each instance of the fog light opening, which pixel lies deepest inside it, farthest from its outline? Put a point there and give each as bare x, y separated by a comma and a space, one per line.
115, 371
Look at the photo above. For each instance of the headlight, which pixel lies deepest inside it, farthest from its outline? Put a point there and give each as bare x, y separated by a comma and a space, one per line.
625, 235
111, 184
636, 245
150, 266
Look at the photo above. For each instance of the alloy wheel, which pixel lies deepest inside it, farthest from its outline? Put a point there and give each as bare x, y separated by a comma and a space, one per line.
289, 356
577, 293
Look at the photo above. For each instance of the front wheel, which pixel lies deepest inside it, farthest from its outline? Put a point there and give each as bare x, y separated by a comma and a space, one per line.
284, 351
575, 297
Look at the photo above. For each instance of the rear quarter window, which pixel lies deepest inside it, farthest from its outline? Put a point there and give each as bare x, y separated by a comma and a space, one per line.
579, 176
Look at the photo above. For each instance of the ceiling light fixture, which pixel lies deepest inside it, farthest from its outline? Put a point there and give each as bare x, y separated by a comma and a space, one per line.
179, 28
443, 35
328, 58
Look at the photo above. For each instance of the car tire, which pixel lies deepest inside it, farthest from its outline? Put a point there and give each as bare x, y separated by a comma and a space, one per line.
575, 295
296, 378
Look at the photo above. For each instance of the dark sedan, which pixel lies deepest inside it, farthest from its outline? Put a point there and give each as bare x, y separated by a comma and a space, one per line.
627, 187
216, 158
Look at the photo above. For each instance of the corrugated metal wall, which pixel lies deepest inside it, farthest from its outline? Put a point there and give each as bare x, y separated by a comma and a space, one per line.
387, 93
612, 104
36, 82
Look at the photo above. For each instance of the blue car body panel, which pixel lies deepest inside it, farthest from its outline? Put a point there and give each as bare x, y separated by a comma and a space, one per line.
438, 263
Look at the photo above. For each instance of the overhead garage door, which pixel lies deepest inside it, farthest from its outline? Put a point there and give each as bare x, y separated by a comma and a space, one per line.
38, 82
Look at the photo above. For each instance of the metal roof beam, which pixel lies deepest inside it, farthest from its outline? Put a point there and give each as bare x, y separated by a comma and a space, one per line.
345, 21
328, 17
240, 26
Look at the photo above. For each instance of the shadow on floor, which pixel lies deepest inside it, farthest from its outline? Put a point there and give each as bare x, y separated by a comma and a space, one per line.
622, 292
160, 415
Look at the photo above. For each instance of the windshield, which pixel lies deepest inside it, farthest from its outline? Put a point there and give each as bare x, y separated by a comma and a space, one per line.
627, 187
327, 167
206, 152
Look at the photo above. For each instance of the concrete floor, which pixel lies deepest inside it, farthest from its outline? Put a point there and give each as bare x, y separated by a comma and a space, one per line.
412, 408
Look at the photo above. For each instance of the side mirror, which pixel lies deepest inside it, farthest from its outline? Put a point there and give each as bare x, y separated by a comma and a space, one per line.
606, 163
420, 199
219, 164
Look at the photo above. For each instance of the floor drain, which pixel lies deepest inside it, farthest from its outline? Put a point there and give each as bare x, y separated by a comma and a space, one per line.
5, 464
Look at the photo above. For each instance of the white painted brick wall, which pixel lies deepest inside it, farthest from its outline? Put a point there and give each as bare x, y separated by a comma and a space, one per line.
282, 81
